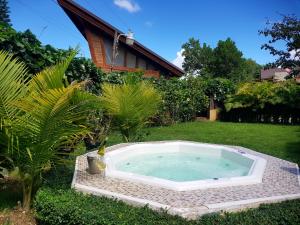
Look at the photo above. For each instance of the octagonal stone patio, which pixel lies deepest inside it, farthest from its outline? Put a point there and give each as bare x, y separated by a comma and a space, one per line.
281, 181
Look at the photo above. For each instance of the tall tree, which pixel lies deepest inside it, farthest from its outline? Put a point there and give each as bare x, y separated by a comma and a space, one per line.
287, 32
228, 60
224, 61
251, 70
4, 12
197, 58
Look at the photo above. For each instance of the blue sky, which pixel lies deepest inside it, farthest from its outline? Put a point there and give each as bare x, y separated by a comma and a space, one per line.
161, 25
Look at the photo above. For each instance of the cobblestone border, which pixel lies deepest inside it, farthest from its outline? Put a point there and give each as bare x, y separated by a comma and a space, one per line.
281, 181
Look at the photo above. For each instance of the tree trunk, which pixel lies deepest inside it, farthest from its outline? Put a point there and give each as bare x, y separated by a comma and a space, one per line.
27, 194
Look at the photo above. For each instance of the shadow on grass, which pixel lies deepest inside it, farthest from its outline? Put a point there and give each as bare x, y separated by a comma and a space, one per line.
59, 177
293, 150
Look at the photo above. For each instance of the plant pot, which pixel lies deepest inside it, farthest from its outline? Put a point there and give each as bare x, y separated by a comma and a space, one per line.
96, 164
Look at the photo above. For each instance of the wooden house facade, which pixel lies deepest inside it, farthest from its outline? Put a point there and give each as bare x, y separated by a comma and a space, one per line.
100, 37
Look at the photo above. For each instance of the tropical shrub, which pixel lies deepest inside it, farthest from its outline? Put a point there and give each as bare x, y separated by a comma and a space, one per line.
38, 117
265, 102
130, 105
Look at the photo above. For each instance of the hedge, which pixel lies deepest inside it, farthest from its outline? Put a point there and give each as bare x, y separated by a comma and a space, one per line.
69, 207
264, 102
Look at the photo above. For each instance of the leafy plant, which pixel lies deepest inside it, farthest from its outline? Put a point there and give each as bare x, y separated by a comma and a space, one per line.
38, 116
69, 207
130, 105
183, 99
81, 69
219, 89
26, 47
266, 102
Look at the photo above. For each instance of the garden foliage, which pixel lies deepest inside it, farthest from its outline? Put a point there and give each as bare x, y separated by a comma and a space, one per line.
27, 48
265, 102
185, 99
130, 105
38, 116
69, 208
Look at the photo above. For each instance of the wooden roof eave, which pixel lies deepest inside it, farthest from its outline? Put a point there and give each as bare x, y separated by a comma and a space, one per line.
79, 15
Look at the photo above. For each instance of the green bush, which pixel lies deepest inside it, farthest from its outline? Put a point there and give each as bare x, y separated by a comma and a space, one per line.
29, 49
219, 89
183, 99
265, 102
69, 207
285, 213
81, 69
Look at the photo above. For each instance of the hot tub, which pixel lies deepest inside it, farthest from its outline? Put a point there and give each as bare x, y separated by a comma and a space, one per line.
181, 165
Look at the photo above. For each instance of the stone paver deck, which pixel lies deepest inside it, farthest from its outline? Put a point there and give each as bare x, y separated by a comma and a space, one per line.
280, 182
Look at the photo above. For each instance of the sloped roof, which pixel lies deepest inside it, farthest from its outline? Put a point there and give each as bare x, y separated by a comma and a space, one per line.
81, 16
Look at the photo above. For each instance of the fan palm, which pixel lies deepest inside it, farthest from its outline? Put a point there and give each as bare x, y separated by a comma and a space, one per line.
130, 105
38, 116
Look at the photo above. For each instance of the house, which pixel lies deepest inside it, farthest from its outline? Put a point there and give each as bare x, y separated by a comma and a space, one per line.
101, 37
274, 74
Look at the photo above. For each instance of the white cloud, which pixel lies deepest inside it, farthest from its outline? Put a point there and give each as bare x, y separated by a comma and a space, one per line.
128, 5
148, 24
178, 61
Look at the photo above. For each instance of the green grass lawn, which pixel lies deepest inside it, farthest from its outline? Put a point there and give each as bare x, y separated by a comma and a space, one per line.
277, 140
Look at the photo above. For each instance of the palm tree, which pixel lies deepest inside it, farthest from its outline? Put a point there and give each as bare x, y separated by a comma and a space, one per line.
37, 117
130, 105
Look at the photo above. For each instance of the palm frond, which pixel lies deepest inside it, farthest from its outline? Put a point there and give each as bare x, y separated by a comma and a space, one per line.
51, 77
130, 104
13, 79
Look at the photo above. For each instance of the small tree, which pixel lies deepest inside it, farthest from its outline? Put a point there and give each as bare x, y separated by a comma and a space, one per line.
4, 12
286, 31
130, 105
38, 117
